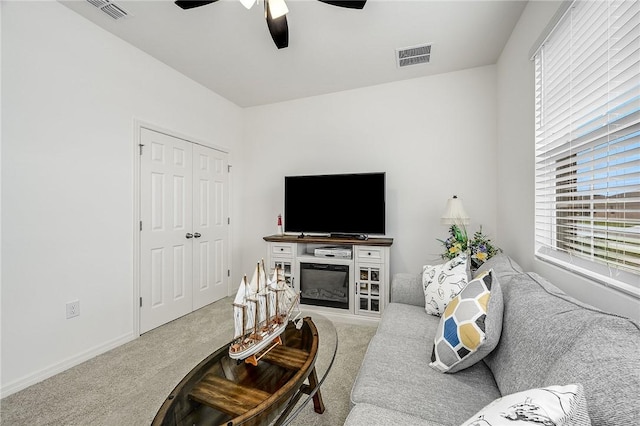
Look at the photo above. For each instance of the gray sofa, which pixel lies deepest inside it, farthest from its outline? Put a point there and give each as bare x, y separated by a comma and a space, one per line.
548, 338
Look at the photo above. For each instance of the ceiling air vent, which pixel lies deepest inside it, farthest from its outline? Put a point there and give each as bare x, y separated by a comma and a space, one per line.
110, 8
413, 55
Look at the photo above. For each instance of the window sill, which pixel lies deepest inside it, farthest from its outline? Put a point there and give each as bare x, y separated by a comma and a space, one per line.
625, 282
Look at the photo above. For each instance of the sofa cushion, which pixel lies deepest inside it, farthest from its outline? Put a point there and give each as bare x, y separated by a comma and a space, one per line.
441, 283
553, 405
410, 321
371, 415
503, 267
537, 328
394, 375
407, 288
470, 327
550, 338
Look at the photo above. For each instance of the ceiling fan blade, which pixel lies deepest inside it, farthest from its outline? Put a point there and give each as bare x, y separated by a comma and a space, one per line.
190, 4
278, 28
347, 3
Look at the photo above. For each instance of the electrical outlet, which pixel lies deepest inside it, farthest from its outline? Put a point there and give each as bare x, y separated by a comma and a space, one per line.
73, 309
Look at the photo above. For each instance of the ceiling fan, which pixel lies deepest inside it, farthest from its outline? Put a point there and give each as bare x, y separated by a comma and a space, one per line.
275, 12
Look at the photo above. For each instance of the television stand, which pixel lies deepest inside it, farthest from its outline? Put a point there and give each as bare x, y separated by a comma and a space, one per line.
350, 236
367, 263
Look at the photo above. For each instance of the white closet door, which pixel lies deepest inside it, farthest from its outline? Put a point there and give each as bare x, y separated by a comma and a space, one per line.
166, 258
210, 213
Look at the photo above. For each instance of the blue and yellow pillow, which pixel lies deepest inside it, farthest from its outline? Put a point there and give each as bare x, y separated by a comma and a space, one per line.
470, 326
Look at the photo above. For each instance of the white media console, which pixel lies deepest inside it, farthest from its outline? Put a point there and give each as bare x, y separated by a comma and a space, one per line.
336, 276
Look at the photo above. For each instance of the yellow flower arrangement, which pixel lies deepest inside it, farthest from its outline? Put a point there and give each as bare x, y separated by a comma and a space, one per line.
480, 247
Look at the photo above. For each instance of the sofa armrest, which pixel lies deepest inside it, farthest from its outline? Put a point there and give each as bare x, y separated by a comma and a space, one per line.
407, 288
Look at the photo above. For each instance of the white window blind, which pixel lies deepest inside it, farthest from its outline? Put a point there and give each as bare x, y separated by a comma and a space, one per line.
587, 113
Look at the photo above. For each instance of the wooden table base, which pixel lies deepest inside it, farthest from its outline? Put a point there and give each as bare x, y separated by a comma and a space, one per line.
318, 404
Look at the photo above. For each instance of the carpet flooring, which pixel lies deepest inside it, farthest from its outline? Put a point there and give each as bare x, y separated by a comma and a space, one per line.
127, 385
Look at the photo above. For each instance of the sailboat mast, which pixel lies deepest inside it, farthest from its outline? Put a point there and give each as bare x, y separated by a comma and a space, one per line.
258, 277
266, 295
244, 309
255, 322
266, 307
244, 320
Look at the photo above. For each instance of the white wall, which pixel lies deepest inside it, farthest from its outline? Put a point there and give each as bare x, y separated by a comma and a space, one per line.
516, 165
433, 136
71, 92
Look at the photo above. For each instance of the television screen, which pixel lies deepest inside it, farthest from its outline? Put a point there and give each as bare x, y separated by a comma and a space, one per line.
335, 204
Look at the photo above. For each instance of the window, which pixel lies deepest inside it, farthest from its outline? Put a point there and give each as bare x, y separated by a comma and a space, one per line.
587, 93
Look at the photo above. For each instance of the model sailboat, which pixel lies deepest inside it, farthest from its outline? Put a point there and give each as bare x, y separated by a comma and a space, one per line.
261, 309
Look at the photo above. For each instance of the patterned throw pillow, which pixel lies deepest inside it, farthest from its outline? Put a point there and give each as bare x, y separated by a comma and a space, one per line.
470, 326
553, 405
443, 282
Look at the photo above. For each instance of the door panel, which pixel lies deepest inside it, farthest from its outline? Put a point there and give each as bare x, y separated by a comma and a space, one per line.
166, 255
210, 221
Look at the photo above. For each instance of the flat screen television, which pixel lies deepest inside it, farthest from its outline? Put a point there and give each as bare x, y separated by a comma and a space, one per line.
338, 204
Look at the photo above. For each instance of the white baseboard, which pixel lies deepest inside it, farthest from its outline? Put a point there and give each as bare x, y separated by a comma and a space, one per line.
335, 316
45, 373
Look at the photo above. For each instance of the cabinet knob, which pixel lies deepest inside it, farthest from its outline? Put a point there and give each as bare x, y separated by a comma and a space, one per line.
189, 235
197, 235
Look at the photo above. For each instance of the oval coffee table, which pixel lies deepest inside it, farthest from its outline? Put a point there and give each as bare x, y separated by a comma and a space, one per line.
220, 390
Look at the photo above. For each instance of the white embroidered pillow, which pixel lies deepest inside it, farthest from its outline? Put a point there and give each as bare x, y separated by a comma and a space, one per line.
553, 405
443, 282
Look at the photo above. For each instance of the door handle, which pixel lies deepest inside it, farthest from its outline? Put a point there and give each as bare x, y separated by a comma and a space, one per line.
189, 235
197, 235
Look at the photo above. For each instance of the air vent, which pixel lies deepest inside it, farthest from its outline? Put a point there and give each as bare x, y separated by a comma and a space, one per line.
413, 55
98, 3
110, 8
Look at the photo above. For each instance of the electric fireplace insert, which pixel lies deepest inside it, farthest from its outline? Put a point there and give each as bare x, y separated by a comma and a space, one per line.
324, 284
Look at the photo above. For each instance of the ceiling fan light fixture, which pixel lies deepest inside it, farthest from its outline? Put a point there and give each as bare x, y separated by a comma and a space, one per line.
277, 8
248, 3
275, 13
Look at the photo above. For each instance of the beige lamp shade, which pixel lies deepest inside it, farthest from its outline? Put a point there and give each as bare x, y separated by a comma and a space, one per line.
454, 213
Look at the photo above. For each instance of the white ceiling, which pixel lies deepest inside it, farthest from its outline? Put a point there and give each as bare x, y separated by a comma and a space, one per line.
228, 49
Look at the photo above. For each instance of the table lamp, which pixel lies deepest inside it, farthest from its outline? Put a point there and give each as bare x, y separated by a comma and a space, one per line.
454, 213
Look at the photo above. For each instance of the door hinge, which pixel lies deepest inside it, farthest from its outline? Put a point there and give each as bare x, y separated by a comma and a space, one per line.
141, 302
228, 221
140, 145
141, 225
228, 168
228, 272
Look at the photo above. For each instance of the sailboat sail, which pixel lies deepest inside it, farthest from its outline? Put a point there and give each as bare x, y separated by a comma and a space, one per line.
261, 294
239, 310
271, 295
249, 301
290, 296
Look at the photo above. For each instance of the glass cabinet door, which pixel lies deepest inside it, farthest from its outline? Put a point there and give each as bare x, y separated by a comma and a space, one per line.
368, 289
285, 266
